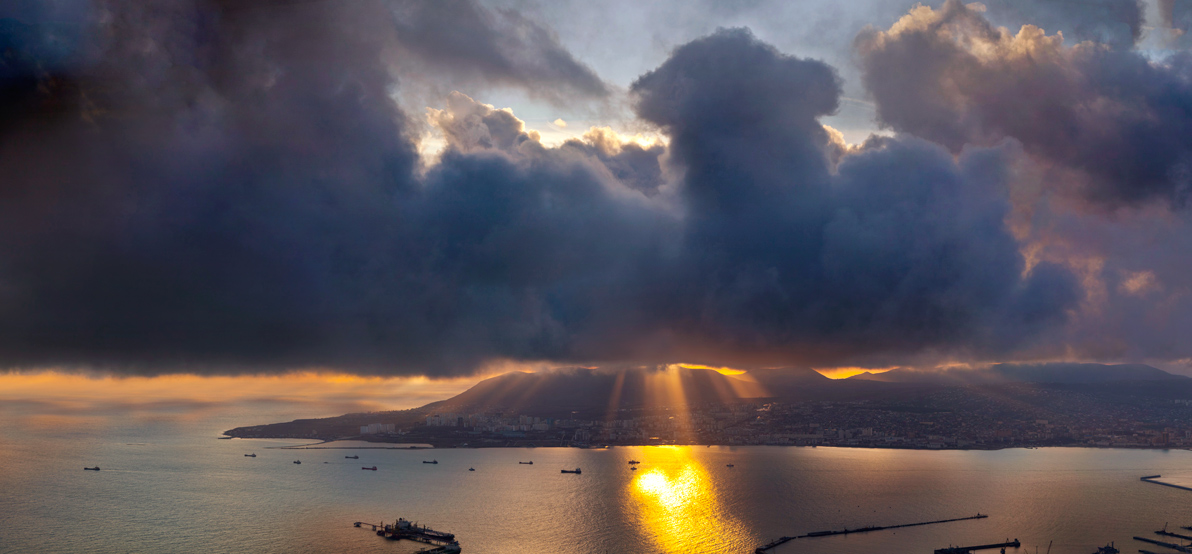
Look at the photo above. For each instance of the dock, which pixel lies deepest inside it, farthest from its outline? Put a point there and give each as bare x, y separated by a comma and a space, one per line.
1153, 479
1171, 545
783, 540
443, 543
970, 549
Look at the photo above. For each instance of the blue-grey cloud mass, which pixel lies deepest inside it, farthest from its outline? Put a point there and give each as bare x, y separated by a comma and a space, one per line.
229, 187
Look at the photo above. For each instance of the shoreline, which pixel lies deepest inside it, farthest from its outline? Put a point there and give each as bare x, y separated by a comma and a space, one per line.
429, 446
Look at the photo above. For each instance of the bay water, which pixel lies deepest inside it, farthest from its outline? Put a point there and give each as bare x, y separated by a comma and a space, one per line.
168, 484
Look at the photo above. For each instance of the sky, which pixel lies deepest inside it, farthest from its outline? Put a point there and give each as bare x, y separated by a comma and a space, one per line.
408, 190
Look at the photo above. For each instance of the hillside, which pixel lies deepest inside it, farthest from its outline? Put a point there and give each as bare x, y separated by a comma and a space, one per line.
601, 395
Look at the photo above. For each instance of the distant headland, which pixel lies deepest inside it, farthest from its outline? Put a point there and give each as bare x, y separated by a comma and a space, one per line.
1003, 406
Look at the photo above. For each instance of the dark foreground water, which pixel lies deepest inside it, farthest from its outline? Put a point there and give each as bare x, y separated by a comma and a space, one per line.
167, 485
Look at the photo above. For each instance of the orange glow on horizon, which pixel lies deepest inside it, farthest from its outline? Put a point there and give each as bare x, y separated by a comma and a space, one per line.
79, 390
846, 372
721, 370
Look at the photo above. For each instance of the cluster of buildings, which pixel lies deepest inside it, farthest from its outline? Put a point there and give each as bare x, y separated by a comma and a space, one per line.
491, 423
378, 429
955, 418
975, 417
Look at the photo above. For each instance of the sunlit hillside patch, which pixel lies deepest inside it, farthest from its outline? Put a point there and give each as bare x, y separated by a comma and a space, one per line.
846, 372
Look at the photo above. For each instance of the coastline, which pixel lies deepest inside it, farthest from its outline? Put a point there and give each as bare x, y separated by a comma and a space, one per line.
432, 446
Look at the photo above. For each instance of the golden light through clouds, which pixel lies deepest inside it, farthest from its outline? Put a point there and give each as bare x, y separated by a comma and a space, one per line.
846, 372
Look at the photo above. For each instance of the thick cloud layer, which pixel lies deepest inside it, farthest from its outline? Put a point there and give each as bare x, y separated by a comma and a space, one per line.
1114, 118
208, 187
232, 188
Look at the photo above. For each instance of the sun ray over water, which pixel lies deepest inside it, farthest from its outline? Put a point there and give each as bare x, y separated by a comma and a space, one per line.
676, 502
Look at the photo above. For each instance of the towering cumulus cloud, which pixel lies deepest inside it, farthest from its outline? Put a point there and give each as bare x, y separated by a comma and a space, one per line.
1106, 130
1114, 118
224, 187
900, 249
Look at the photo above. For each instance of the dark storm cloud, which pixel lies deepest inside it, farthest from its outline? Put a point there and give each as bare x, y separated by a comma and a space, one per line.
233, 188
901, 249
225, 180
1113, 117
236, 190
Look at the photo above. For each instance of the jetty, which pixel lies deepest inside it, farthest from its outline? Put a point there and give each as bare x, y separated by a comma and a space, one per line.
1164, 532
970, 549
1171, 545
783, 540
1154, 479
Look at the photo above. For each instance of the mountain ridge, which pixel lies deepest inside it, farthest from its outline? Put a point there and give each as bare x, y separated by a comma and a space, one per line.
1054, 373
598, 394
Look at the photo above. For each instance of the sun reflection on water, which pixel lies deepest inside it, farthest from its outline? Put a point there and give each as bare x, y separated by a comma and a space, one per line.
677, 505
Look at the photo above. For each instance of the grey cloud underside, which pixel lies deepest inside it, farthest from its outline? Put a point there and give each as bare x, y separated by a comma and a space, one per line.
246, 196
500, 46
1114, 22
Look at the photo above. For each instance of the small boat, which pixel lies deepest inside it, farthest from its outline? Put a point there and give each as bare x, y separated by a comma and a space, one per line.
297, 461
471, 469
430, 462
576, 471
631, 462
529, 463
352, 457
373, 468
730, 465
96, 468
253, 455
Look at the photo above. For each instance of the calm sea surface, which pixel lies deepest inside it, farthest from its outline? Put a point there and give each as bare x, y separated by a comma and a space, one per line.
168, 485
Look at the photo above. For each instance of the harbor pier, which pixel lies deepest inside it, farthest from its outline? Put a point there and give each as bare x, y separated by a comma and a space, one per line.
783, 540
970, 549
